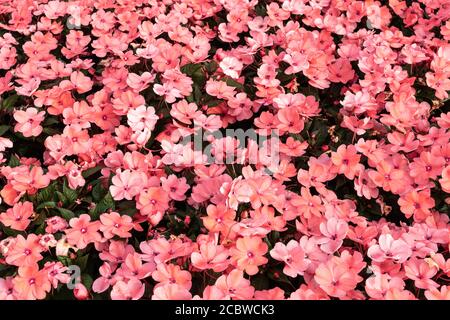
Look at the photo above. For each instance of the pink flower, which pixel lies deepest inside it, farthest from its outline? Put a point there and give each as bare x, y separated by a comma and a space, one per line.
346, 160
334, 232
249, 254
235, 286
24, 251
335, 278
55, 224
171, 291
7, 291
292, 255
31, 283
18, 216
231, 67
132, 289
113, 224
127, 184
170, 273
421, 272
142, 118
176, 188
388, 248
82, 231
28, 122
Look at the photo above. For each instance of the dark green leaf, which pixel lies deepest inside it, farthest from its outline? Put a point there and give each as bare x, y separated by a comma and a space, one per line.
66, 213
47, 204
3, 129
13, 161
104, 205
71, 195
89, 172
81, 261
9, 103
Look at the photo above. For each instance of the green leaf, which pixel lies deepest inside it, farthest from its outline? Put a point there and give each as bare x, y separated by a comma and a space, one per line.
46, 194
87, 280
234, 83
65, 260
9, 103
89, 172
13, 161
50, 121
105, 204
81, 261
71, 195
47, 204
66, 213
98, 192
4, 128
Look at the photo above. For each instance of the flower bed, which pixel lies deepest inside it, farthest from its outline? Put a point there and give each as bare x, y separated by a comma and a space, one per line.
224, 149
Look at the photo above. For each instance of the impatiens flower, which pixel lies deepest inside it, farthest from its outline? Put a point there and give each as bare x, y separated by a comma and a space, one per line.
81, 82
445, 181
231, 67
346, 160
388, 248
421, 272
153, 203
29, 122
127, 184
170, 273
25, 251
82, 231
171, 291
436, 294
31, 283
417, 204
7, 291
334, 232
18, 216
132, 289
292, 255
219, 218
210, 256
176, 188
142, 118
335, 278
55, 224
249, 254
235, 286
133, 267
113, 224
224, 149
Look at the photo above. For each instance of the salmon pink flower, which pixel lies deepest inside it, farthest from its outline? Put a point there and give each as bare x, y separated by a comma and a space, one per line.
7, 291
132, 289
172, 274
82, 231
31, 283
127, 184
292, 255
171, 291
235, 286
388, 248
25, 251
29, 122
18, 216
334, 232
335, 278
113, 224
249, 254
346, 160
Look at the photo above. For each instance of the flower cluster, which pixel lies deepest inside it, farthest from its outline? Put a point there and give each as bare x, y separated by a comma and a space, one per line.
337, 186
